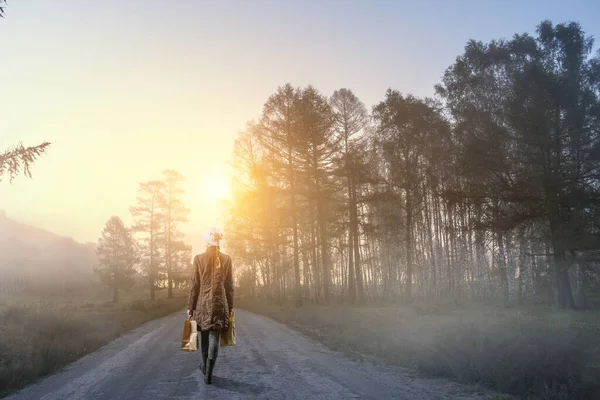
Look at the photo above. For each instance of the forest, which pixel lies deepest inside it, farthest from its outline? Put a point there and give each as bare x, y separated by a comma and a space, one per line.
488, 191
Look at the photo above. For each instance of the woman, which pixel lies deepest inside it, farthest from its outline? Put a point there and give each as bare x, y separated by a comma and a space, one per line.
211, 298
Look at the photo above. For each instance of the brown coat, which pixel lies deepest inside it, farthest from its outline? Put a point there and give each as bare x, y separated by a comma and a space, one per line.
211, 292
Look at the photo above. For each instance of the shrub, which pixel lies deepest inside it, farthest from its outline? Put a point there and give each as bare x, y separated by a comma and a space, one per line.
138, 305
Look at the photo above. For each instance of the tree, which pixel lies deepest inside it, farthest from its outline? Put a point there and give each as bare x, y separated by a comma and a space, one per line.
491, 192
116, 257
527, 117
278, 134
181, 263
316, 143
350, 121
20, 158
408, 129
174, 211
2, 8
256, 224
149, 221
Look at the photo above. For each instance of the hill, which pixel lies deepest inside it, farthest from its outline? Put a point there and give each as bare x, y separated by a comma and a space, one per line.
32, 258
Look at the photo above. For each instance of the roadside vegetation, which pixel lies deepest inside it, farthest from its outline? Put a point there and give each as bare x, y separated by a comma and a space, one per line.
40, 334
530, 352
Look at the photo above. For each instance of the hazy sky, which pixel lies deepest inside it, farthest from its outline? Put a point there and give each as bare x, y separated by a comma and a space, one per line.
127, 88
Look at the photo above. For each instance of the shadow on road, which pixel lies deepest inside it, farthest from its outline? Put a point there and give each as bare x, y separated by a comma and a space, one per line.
237, 386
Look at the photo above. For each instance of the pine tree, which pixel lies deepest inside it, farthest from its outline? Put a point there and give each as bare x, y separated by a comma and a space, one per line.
149, 221
350, 122
174, 211
116, 257
19, 159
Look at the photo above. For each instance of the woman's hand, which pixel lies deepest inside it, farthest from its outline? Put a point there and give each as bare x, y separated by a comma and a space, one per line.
189, 313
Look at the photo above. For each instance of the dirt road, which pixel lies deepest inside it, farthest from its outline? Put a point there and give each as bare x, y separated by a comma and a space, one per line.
271, 361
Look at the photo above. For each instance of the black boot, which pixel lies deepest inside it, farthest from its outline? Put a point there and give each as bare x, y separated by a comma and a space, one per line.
210, 365
203, 365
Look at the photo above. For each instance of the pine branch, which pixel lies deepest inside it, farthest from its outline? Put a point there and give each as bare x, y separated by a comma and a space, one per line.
20, 158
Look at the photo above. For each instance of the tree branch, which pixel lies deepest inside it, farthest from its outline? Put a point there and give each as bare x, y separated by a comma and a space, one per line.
20, 158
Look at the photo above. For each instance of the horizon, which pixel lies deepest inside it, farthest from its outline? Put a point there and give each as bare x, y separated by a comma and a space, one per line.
127, 92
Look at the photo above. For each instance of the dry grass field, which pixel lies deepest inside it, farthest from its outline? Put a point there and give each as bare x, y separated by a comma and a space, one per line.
40, 334
528, 352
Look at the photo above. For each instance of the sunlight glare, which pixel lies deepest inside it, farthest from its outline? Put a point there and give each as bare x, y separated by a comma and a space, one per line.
216, 186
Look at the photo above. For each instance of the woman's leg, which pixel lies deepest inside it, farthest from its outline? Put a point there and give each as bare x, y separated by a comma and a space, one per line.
204, 349
213, 344
213, 352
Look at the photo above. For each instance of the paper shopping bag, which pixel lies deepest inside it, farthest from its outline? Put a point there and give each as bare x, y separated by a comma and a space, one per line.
189, 340
228, 337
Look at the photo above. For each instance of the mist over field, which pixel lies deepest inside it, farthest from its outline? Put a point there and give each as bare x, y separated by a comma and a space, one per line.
33, 258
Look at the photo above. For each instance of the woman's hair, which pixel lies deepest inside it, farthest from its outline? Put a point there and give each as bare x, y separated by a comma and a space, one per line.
213, 256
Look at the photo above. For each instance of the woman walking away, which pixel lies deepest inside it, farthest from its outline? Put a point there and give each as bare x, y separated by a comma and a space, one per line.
211, 298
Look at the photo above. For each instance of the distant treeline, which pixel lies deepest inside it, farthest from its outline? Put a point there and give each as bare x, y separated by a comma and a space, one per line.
490, 190
151, 252
153, 246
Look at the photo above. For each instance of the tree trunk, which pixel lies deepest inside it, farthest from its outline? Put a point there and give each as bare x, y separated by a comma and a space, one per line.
152, 271
581, 299
152, 289
324, 247
563, 281
561, 267
298, 289
480, 270
449, 244
355, 236
351, 280
502, 269
168, 246
522, 267
351, 271
305, 268
253, 286
315, 257
409, 247
432, 259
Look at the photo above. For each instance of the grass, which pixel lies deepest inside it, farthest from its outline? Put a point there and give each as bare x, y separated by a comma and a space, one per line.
41, 334
528, 352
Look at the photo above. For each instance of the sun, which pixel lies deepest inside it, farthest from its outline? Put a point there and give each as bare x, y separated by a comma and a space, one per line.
217, 185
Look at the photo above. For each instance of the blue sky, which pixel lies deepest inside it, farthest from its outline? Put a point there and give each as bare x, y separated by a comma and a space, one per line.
127, 88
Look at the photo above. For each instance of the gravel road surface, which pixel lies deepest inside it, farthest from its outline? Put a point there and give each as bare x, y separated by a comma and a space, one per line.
270, 361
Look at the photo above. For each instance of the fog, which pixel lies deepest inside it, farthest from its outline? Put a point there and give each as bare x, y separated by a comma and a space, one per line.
32, 257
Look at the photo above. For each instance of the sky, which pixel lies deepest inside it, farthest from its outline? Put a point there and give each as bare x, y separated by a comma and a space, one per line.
124, 89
